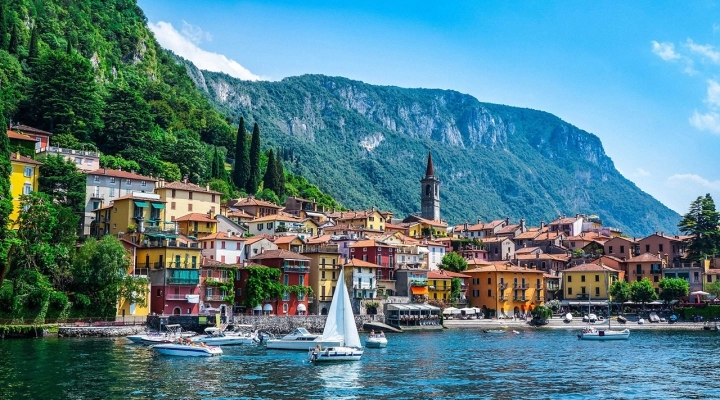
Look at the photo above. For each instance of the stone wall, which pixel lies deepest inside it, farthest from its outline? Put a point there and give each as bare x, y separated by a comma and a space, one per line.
99, 331
285, 324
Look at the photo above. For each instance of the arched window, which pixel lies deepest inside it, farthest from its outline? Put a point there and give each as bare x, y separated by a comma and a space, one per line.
177, 311
436, 190
427, 190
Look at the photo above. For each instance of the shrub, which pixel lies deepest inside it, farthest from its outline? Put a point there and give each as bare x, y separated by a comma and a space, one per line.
58, 301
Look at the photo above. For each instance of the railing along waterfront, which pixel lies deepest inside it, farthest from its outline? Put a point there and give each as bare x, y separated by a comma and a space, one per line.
86, 321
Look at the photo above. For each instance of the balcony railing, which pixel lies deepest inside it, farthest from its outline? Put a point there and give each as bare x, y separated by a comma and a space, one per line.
140, 272
183, 281
212, 279
503, 286
656, 271
364, 286
296, 268
520, 298
521, 286
503, 298
583, 296
174, 296
169, 243
173, 264
553, 287
214, 297
322, 249
97, 195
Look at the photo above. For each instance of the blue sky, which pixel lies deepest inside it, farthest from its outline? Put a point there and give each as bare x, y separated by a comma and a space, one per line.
644, 76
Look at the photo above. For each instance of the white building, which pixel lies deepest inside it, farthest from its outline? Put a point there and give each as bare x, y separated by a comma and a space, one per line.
364, 278
435, 254
85, 161
224, 248
257, 245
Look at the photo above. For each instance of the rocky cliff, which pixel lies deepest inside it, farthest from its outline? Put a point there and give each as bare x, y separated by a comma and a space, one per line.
367, 145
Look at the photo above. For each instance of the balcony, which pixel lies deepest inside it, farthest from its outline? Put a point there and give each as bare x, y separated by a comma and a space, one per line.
140, 272
171, 280
212, 279
322, 249
656, 271
138, 217
214, 297
583, 296
503, 298
521, 286
553, 287
97, 195
520, 298
302, 269
176, 296
418, 282
503, 286
364, 286
181, 265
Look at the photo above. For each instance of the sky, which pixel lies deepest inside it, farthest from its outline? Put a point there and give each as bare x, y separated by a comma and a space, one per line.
644, 76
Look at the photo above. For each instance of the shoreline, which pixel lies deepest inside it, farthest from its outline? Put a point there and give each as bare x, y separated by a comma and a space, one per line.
573, 325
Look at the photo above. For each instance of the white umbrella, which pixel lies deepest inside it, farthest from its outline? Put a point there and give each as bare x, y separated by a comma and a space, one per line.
699, 293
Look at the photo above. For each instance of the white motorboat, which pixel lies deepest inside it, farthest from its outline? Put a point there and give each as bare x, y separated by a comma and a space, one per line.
568, 317
376, 340
590, 333
494, 331
186, 350
301, 339
641, 321
173, 332
340, 323
217, 337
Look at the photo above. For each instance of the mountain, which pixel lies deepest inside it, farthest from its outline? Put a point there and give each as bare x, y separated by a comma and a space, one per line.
367, 145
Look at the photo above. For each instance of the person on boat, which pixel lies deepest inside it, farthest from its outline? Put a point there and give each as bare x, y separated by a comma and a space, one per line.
372, 333
382, 334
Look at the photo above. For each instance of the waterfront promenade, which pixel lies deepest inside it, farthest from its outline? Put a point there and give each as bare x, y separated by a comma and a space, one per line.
557, 323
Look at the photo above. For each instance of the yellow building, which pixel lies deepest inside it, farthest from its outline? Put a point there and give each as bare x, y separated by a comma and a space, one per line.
23, 180
289, 242
440, 285
369, 219
423, 227
125, 308
325, 261
588, 282
133, 213
196, 224
183, 198
506, 289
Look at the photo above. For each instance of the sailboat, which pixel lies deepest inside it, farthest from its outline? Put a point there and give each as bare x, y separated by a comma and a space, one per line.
592, 333
340, 323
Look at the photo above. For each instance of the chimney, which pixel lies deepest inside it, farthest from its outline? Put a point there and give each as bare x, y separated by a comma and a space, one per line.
522, 225
207, 186
662, 234
119, 168
478, 221
104, 171
507, 221
577, 215
542, 224
185, 179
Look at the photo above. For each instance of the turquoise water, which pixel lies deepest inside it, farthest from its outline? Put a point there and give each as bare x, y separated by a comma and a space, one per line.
449, 364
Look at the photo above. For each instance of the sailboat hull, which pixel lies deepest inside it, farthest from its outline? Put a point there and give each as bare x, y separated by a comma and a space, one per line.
332, 354
597, 334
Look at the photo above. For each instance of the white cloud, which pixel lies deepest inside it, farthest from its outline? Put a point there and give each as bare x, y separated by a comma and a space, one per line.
641, 172
195, 33
171, 39
713, 93
706, 122
716, 28
704, 50
665, 50
692, 180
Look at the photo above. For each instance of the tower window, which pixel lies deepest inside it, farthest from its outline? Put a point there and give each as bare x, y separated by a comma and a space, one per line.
427, 190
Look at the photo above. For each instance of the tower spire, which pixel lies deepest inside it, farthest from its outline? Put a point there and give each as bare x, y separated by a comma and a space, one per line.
430, 171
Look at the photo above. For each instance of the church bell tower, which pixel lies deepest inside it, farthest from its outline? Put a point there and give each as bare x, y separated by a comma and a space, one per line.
430, 195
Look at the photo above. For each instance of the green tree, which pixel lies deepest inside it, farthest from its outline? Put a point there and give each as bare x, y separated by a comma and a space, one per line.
455, 287
713, 288
118, 162
280, 171
701, 222
189, 154
3, 27
14, 38
262, 283
642, 291
673, 288
270, 177
452, 261
63, 96
127, 122
254, 156
33, 51
60, 179
620, 292
223, 187
100, 273
218, 170
241, 169
6, 205
12, 83
541, 313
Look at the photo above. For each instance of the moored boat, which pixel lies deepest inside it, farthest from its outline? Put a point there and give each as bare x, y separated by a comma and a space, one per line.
590, 333
376, 340
186, 350
301, 339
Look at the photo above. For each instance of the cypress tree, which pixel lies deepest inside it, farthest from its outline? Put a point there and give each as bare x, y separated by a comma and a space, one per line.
213, 165
280, 180
254, 177
241, 169
3, 27
270, 177
14, 39
6, 205
33, 51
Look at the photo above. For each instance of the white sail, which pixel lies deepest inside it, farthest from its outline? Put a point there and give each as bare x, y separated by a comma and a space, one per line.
340, 320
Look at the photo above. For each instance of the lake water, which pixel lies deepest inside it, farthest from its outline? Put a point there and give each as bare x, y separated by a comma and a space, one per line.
457, 363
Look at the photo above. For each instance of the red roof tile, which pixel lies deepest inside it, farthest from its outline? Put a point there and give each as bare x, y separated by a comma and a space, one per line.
17, 157
189, 187
120, 174
284, 254
19, 136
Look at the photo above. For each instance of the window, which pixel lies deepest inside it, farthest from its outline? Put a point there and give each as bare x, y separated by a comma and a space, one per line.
582, 290
647, 248
597, 278
112, 179
709, 278
610, 249
582, 278
173, 193
28, 172
638, 269
172, 205
27, 188
190, 195
143, 183
189, 207
285, 308
622, 249
88, 161
238, 246
78, 160
660, 247
128, 182
96, 205
222, 244
569, 291
112, 192
489, 281
269, 225
572, 244
212, 245
96, 178
569, 278
213, 198
597, 291
656, 278
489, 293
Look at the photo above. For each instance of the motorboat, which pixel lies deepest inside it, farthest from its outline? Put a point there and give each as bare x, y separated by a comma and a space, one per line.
186, 350
340, 323
590, 333
172, 332
301, 339
376, 340
621, 319
568, 317
673, 319
641, 321
218, 337
493, 331
592, 318
653, 317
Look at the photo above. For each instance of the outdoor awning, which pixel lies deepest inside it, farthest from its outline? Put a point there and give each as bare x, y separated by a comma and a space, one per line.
257, 308
157, 205
301, 307
140, 204
267, 307
419, 289
192, 298
586, 303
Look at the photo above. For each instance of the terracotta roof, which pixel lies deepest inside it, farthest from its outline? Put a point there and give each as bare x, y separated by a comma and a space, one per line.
115, 173
494, 239
369, 243
188, 187
478, 261
508, 229
132, 196
255, 239
286, 239
239, 214
279, 216
19, 136
442, 274
561, 221
30, 129
284, 254
17, 157
589, 268
712, 271
393, 226
251, 201
646, 257
199, 217
548, 235
354, 262
588, 236
502, 267
319, 239
527, 250
431, 222
543, 256
531, 233
548, 276
623, 238
222, 236
345, 215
